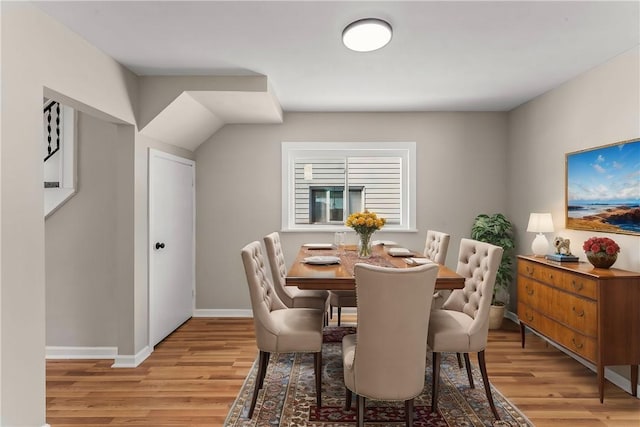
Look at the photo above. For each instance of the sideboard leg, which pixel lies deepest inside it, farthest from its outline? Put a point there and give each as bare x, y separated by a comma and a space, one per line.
522, 333
634, 380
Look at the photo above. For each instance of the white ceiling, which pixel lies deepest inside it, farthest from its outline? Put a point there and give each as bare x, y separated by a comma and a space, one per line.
453, 56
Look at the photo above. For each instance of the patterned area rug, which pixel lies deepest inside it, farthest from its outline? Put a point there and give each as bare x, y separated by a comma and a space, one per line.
288, 396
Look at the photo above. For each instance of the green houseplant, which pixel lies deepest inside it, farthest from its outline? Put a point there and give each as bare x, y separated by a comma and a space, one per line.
497, 230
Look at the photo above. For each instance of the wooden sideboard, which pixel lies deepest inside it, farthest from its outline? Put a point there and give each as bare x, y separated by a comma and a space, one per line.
591, 312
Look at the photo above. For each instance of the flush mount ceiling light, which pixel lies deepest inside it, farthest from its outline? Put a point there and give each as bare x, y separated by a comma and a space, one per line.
367, 34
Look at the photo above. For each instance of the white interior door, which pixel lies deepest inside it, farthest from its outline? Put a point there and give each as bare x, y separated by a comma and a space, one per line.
171, 243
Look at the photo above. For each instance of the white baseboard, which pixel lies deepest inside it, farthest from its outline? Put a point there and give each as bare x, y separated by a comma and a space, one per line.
62, 352
132, 361
223, 313
611, 375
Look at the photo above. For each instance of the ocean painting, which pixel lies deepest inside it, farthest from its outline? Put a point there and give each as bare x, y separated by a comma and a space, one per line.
603, 188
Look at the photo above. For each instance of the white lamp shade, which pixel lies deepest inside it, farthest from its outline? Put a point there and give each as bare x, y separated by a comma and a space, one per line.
540, 223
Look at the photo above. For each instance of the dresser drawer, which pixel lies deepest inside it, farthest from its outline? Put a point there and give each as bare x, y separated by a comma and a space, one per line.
572, 340
579, 313
541, 273
576, 342
534, 294
580, 285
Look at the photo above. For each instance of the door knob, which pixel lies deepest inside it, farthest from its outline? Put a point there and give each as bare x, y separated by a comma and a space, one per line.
159, 245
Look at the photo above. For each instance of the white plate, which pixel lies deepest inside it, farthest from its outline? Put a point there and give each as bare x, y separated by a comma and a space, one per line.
384, 242
318, 245
322, 260
400, 252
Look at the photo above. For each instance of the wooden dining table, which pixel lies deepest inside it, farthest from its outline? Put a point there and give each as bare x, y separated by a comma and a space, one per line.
340, 277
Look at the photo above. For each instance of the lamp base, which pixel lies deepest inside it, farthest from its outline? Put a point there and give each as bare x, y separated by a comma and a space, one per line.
540, 245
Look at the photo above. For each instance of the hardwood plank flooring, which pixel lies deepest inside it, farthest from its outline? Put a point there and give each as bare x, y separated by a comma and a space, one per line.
194, 375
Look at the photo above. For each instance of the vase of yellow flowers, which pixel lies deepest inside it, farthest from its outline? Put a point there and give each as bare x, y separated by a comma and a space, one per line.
365, 224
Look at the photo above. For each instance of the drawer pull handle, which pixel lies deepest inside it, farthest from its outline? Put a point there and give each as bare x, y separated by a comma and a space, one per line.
578, 313
529, 291
573, 340
530, 270
551, 277
577, 286
529, 317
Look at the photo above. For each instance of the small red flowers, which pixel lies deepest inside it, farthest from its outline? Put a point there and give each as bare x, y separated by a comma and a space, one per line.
601, 245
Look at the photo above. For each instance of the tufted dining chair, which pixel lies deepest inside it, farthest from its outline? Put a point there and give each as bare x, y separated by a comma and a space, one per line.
435, 249
279, 329
291, 296
462, 325
386, 358
341, 299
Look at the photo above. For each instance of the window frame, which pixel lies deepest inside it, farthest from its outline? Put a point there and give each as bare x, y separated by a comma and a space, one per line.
322, 150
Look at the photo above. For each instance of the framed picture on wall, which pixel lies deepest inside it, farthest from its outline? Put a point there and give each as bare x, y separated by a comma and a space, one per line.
603, 188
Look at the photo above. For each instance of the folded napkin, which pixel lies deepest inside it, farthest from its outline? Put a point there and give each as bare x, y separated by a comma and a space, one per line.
418, 261
400, 252
383, 242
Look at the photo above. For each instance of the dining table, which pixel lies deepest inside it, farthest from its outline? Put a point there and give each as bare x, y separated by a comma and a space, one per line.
337, 273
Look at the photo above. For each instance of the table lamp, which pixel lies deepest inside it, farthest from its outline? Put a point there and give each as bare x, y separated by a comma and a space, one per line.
540, 223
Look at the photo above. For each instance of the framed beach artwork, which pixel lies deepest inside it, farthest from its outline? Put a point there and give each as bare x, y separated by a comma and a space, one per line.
603, 188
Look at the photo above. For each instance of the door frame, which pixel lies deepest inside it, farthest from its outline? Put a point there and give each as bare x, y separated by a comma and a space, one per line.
150, 241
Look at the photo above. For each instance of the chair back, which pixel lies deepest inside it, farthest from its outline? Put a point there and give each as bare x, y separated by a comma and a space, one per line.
278, 266
393, 321
264, 300
436, 246
478, 263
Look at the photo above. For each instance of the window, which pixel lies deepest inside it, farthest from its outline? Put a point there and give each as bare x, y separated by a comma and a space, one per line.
379, 177
326, 204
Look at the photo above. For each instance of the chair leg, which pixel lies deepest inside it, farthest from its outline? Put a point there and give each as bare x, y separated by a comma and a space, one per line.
459, 360
469, 374
487, 386
347, 400
408, 412
330, 312
435, 382
339, 314
263, 361
361, 408
318, 372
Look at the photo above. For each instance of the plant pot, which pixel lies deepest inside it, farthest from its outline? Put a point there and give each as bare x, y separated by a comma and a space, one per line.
601, 260
496, 315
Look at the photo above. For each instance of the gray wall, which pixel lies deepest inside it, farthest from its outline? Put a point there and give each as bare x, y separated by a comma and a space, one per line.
80, 249
461, 172
597, 108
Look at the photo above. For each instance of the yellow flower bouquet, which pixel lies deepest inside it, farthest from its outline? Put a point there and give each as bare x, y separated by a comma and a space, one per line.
365, 224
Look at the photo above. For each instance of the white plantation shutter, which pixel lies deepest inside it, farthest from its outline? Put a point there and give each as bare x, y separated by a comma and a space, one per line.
381, 178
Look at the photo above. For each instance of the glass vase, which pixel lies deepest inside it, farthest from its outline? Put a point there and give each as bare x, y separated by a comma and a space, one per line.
601, 260
364, 245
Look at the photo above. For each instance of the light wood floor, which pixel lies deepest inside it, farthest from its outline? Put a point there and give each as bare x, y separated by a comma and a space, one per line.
193, 377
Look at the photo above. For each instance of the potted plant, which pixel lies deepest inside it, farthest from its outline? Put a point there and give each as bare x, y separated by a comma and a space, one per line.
497, 230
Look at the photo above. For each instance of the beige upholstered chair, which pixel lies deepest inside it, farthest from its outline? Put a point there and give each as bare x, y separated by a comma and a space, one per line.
435, 248
279, 329
462, 326
341, 299
386, 358
291, 296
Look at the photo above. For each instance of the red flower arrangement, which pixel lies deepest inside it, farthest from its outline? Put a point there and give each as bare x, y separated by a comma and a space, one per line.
602, 245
